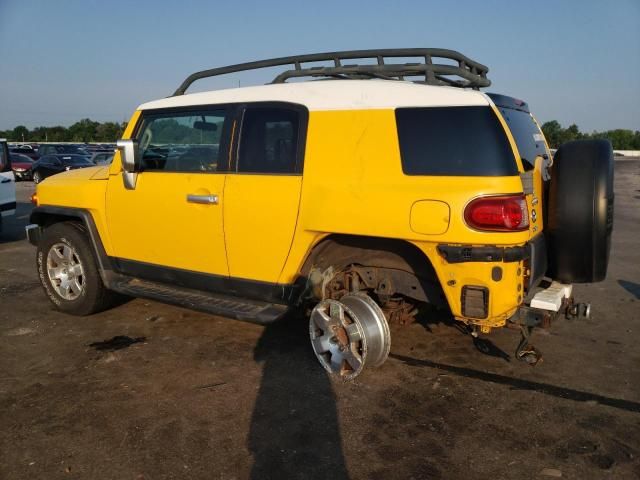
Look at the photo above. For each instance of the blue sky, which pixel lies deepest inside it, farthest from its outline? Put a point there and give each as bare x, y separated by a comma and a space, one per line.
63, 60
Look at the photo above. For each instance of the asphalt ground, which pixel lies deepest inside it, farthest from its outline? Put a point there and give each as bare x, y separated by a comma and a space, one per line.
150, 391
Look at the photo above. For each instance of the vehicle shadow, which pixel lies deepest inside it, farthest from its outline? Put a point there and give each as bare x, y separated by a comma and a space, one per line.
294, 433
631, 287
13, 227
429, 316
521, 384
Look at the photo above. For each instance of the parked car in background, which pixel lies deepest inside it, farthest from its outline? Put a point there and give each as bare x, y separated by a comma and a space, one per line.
66, 149
27, 150
21, 166
7, 184
51, 164
102, 158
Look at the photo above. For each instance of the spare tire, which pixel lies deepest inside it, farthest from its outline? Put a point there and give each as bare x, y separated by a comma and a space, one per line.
580, 211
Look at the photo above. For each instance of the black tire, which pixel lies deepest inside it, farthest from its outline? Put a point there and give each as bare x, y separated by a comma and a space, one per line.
94, 297
36, 177
580, 212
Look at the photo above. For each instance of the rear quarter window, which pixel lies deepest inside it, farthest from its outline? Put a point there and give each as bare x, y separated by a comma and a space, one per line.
457, 141
527, 135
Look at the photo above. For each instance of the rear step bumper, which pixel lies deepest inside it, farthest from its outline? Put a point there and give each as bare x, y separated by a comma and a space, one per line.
224, 305
547, 305
535, 251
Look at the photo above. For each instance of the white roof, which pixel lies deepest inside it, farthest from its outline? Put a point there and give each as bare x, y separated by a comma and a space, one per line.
334, 95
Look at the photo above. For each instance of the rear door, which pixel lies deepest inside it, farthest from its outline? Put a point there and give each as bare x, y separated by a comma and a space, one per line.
262, 192
49, 165
536, 161
7, 183
534, 155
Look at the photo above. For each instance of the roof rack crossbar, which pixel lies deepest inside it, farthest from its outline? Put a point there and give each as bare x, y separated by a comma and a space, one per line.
389, 71
472, 73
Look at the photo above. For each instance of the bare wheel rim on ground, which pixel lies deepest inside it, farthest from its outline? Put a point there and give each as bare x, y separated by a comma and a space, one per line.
349, 334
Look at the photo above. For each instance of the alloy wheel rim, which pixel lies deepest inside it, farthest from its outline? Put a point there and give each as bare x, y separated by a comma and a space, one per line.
348, 334
65, 271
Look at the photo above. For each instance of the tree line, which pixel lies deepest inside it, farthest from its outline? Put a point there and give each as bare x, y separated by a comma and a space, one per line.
86, 130
621, 139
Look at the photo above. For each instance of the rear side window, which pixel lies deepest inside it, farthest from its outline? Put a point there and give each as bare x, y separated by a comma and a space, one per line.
527, 135
269, 141
457, 141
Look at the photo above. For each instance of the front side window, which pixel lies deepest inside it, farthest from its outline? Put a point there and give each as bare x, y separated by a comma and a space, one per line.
269, 141
181, 142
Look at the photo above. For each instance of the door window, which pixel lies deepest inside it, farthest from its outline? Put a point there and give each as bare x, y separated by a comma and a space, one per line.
269, 141
182, 142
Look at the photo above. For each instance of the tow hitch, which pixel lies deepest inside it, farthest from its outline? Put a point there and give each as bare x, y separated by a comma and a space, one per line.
545, 306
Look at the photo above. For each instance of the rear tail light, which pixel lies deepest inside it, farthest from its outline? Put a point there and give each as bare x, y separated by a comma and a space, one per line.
498, 214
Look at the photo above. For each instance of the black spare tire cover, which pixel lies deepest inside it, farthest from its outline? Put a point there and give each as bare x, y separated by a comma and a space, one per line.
580, 211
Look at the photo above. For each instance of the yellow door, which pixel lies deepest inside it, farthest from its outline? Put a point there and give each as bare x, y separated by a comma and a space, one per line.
262, 195
260, 213
172, 218
156, 223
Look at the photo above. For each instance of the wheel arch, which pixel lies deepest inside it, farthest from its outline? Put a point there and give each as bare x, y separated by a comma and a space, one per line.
45, 216
387, 254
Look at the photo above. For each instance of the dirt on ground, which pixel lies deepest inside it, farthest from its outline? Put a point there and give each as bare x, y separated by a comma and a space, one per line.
150, 391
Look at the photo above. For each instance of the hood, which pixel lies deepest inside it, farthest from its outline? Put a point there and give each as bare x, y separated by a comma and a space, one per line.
24, 165
79, 174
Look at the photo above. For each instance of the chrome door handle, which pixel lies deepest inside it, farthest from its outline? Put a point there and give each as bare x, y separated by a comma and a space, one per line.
206, 199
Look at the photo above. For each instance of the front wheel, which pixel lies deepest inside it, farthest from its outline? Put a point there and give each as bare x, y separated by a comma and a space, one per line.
37, 177
68, 271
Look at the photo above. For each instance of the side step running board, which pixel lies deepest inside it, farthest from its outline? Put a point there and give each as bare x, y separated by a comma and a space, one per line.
216, 304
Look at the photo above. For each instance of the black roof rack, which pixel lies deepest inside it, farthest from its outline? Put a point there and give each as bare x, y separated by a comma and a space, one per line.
470, 73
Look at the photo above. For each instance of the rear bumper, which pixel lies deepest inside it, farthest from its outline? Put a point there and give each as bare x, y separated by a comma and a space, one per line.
534, 252
34, 233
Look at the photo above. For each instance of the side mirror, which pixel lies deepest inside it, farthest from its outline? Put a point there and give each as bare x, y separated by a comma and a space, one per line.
130, 162
129, 155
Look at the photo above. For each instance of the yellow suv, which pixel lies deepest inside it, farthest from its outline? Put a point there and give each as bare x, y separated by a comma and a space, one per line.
379, 186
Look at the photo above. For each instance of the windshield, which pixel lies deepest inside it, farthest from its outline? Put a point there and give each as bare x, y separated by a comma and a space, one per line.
72, 149
19, 158
75, 160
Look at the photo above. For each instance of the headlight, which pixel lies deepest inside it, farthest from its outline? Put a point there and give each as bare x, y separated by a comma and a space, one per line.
20, 169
